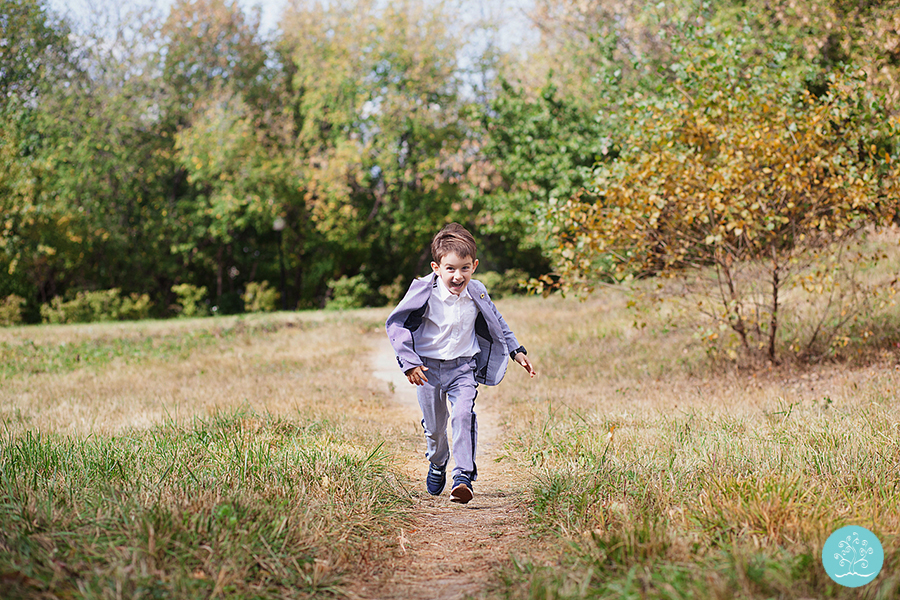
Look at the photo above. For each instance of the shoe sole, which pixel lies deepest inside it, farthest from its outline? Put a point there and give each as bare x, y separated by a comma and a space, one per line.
461, 494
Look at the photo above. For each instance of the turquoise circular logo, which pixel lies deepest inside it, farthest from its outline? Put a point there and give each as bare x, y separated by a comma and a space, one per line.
852, 556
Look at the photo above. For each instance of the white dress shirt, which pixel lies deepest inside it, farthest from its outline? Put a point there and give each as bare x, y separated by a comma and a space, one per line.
448, 325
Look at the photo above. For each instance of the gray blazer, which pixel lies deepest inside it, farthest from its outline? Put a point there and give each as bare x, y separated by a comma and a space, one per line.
496, 341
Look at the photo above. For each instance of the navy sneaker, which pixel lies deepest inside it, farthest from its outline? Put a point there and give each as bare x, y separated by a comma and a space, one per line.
462, 489
436, 479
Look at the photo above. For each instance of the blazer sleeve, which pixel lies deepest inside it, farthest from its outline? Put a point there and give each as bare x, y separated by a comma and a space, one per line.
509, 337
512, 343
403, 321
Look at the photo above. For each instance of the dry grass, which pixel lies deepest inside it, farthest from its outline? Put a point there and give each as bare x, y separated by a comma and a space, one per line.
105, 378
672, 476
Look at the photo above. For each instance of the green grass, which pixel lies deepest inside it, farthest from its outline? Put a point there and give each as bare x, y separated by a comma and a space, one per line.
238, 504
688, 510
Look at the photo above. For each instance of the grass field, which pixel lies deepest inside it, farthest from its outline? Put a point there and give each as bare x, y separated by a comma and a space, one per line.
663, 476
251, 458
220, 457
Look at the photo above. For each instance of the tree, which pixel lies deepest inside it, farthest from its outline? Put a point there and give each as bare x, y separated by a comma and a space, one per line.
542, 125
542, 149
96, 133
230, 170
239, 177
210, 45
35, 55
382, 129
35, 49
580, 42
831, 33
737, 169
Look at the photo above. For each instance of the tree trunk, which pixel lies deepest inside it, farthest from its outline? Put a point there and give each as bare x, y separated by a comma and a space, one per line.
773, 322
732, 305
219, 272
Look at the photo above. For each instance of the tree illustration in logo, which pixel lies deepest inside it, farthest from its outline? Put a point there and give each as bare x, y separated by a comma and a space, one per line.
853, 552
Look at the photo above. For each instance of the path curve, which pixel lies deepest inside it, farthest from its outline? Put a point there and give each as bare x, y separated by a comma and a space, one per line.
451, 551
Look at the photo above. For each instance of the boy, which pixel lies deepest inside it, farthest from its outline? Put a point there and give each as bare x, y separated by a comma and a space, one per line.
448, 335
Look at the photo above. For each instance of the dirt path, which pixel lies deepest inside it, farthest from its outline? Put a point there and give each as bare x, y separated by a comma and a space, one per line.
452, 551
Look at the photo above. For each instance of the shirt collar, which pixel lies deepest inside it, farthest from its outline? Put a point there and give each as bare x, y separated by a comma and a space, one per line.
445, 294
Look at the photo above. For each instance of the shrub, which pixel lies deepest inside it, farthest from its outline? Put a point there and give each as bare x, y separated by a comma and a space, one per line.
259, 297
101, 305
510, 282
11, 310
747, 175
349, 292
394, 291
190, 300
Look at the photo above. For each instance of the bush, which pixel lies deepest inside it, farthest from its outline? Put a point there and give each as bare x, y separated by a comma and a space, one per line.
190, 300
11, 310
102, 305
349, 292
259, 297
394, 291
510, 282
745, 182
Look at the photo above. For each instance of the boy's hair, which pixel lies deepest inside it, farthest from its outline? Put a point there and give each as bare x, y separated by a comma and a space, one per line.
453, 238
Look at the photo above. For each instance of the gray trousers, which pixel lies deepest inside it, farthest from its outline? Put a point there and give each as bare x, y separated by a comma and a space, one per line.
452, 380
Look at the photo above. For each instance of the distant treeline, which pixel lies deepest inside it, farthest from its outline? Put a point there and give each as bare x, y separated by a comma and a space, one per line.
145, 153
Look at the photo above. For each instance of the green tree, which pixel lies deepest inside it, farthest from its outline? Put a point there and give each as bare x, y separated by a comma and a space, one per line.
543, 149
831, 33
35, 49
231, 162
210, 45
106, 163
382, 128
237, 180
34, 56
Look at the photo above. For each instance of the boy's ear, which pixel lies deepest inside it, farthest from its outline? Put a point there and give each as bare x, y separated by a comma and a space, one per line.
474, 265
435, 267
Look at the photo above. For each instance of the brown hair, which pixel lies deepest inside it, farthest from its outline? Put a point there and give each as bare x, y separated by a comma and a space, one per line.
453, 238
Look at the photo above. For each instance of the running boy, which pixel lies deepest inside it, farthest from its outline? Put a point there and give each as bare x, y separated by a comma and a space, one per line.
448, 335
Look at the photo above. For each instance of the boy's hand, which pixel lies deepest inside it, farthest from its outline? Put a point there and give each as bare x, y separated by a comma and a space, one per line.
416, 375
526, 364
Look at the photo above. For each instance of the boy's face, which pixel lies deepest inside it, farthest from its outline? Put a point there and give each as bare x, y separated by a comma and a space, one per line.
455, 271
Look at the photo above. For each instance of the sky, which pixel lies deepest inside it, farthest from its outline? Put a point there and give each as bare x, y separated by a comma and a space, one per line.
514, 25
271, 9
514, 33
